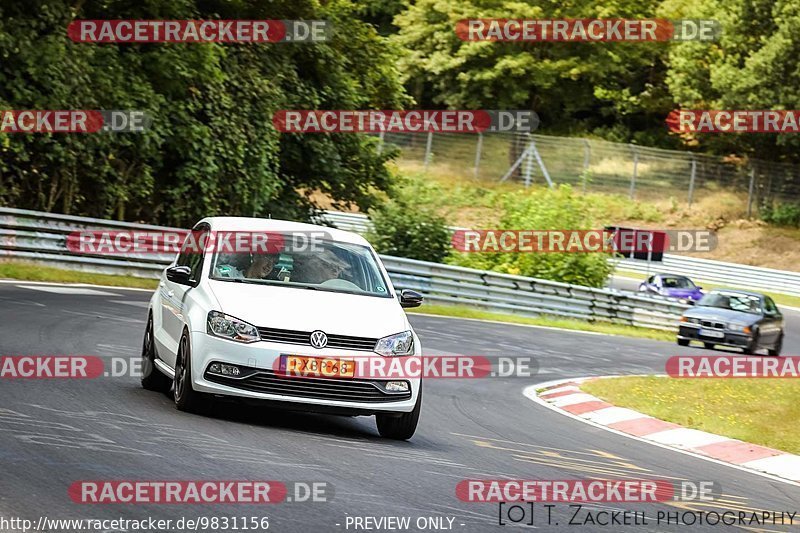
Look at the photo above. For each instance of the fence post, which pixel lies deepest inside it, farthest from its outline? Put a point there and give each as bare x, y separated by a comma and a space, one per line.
750, 191
516, 164
529, 163
381, 135
541, 164
478, 151
587, 152
635, 170
428, 147
691, 180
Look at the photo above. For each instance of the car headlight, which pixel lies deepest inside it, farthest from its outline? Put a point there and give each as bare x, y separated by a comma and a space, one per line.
739, 328
398, 344
690, 320
228, 327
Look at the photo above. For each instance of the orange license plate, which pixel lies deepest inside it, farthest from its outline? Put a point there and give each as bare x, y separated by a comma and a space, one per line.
298, 365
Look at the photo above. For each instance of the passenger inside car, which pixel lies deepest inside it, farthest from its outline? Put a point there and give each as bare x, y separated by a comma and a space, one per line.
318, 268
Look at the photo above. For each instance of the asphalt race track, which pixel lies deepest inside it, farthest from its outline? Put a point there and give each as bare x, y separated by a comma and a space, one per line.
55, 432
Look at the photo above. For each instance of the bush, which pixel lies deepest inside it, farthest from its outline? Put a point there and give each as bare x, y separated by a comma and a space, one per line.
553, 209
405, 229
782, 214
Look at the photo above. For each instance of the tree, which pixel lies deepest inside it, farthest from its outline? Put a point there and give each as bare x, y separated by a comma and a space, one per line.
212, 148
614, 89
752, 66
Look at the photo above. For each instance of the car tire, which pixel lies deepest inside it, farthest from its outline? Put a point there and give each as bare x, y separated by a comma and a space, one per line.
683, 342
152, 378
775, 351
186, 398
708, 345
400, 427
753, 347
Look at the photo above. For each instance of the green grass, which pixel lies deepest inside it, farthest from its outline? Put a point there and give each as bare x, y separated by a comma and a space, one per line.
35, 272
758, 411
780, 299
553, 322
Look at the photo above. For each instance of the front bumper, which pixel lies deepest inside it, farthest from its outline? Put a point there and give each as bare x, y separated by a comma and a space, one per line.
259, 381
729, 338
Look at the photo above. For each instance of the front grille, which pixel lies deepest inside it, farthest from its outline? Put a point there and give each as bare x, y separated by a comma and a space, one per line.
350, 390
710, 324
341, 342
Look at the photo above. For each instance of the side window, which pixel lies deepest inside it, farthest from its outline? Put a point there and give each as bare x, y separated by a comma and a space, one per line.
190, 255
769, 305
650, 280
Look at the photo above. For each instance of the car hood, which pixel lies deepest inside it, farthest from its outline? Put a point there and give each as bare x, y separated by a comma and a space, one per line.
722, 315
310, 310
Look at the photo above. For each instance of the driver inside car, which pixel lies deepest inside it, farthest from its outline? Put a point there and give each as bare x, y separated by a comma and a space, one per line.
261, 266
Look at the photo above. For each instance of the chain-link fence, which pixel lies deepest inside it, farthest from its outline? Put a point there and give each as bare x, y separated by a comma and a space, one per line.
598, 166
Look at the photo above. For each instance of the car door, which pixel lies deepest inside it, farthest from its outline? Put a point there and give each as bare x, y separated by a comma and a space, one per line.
173, 296
772, 324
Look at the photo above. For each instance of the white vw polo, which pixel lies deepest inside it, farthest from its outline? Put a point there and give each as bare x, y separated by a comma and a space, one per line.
225, 323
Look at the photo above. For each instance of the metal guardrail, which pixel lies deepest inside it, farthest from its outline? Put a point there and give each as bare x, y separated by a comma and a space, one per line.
505, 293
719, 272
731, 274
355, 222
42, 237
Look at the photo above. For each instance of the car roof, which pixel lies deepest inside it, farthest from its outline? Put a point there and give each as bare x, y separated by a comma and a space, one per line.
667, 274
737, 291
281, 226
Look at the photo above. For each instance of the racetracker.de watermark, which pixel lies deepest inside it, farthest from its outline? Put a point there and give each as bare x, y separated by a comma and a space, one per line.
583, 241
146, 492
732, 366
585, 490
51, 367
733, 121
404, 121
194, 242
74, 121
587, 30
397, 367
198, 31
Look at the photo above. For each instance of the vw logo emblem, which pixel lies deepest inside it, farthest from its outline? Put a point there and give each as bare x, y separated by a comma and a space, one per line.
319, 339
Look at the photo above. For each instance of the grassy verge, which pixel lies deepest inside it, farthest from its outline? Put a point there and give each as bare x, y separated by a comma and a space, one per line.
35, 272
553, 322
780, 299
759, 411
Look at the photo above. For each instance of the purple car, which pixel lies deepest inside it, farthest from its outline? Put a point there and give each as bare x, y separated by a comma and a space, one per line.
672, 286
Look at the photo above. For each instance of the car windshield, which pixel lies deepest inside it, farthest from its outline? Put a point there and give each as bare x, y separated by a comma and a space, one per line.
745, 303
677, 282
328, 265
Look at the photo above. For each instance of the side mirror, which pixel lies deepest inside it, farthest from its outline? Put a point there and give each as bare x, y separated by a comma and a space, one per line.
179, 274
699, 288
409, 298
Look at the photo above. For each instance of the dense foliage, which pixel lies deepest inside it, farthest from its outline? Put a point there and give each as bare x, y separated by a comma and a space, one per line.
403, 227
212, 148
752, 66
781, 214
554, 209
617, 91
